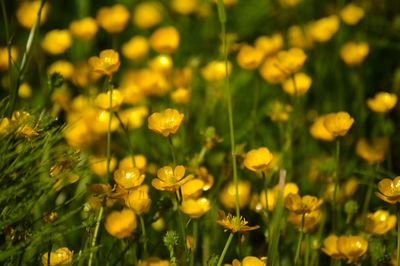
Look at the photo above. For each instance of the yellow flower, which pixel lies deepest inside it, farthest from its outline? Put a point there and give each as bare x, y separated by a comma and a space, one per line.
182, 78
162, 63
311, 220
249, 57
24, 90
279, 111
269, 45
56, 41
374, 152
65, 68
166, 122
258, 159
302, 205
159, 224
127, 162
99, 165
298, 85
292, 60
4, 57
289, 3
249, 261
169, 179
134, 117
352, 247
22, 120
154, 261
181, 96
184, 7
121, 224
138, 199
382, 102
113, 19
165, 39
147, 14
271, 71
100, 123
77, 134
227, 196
319, 131
149, 82
102, 100
323, 29
298, 37
128, 178
107, 63
379, 222
272, 194
62, 256
28, 11
192, 188
353, 54
234, 223
346, 191
338, 124
389, 190
136, 48
195, 208
330, 247
85, 28
216, 70
351, 14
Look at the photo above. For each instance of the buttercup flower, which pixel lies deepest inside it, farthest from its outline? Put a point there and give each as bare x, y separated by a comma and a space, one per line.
374, 152
352, 247
136, 48
195, 208
27, 13
147, 14
272, 194
127, 162
216, 70
351, 14
184, 7
234, 223
102, 100
292, 60
65, 68
106, 63
330, 247
62, 256
319, 131
382, 102
84, 29
138, 199
323, 29
298, 37
134, 117
181, 96
4, 57
249, 261
279, 111
24, 90
129, 178
338, 124
311, 220
271, 71
302, 205
379, 222
289, 3
269, 45
113, 19
165, 39
353, 54
389, 190
193, 188
121, 224
56, 41
162, 63
227, 195
258, 159
249, 57
99, 165
166, 122
169, 179
100, 122
298, 85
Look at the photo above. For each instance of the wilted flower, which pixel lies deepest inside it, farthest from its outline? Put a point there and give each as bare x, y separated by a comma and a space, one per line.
106, 63
374, 152
4, 57
56, 41
128, 178
382, 102
138, 199
28, 11
165, 39
323, 29
249, 57
166, 122
102, 100
297, 85
65, 68
389, 190
121, 224
195, 208
136, 48
258, 159
227, 195
379, 222
353, 54
351, 14
62, 256
302, 205
85, 28
169, 179
338, 124
113, 19
147, 14
234, 223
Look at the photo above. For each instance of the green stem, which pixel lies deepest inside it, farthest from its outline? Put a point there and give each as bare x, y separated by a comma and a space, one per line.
180, 221
367, 201
172, 149
296, 257
335, 207
195, 236
125, 129
110, 110
254, 111
228, 242
398, 235
144, 235
96, 231
222, 19
266, 184
308, 246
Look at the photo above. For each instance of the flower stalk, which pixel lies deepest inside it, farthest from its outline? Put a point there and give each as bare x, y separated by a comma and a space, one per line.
297, 254
228, 242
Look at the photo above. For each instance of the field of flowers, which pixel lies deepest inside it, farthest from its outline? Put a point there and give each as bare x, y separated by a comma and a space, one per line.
199, 132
